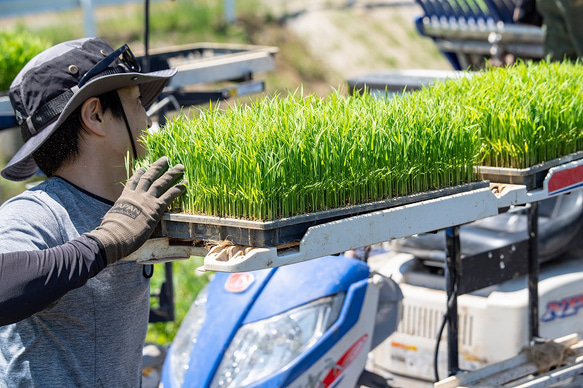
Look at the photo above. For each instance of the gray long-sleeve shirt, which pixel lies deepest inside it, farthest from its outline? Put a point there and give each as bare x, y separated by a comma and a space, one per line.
93, 335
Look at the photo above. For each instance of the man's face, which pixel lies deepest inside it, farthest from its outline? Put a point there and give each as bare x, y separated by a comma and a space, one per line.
135, 112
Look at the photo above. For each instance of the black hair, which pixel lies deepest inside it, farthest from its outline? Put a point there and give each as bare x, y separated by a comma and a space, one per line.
63, 145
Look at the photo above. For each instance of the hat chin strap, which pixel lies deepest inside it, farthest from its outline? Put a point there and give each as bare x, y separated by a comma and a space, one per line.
129, 133
125, 119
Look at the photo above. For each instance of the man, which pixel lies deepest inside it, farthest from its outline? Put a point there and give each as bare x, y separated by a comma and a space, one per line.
84, 313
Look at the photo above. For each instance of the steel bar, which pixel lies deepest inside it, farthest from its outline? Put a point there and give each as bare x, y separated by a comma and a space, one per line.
533, 271
453, 265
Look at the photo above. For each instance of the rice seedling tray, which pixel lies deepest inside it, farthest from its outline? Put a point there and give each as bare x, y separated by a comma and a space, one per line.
286, 231
532, 177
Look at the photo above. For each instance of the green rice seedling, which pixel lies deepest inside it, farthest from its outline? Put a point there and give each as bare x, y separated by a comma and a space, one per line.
280, 157
526, 114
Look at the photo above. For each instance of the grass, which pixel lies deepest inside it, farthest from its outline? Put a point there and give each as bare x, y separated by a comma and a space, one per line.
173, 23
17, 47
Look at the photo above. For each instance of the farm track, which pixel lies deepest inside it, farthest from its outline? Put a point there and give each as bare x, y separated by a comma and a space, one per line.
365, 37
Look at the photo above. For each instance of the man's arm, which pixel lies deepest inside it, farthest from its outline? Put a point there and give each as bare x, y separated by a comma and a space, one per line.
31, 281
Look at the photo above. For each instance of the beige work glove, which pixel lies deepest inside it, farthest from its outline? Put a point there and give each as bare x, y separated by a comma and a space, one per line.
133, 217
226, 252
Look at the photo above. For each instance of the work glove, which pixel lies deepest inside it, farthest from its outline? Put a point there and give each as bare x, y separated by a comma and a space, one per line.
227, 251
133, 217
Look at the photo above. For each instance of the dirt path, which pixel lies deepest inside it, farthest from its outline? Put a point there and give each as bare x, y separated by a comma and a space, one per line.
364, 37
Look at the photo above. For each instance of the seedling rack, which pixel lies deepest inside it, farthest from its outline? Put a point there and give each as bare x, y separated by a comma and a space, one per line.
208, 72
468, 33
389, 82
445, 212
211, 62
310, 236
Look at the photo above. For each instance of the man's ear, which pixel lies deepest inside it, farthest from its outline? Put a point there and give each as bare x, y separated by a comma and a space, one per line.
92, 116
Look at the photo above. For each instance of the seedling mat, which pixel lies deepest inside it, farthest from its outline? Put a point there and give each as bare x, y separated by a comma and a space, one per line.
285, 231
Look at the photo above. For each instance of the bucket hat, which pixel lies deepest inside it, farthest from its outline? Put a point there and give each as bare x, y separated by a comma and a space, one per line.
58, 80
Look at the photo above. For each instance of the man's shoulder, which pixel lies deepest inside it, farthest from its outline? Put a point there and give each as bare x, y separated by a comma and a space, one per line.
33, 199
51, 195
25, 202
33, 219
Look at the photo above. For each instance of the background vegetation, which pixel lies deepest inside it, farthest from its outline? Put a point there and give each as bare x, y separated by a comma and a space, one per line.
185, 21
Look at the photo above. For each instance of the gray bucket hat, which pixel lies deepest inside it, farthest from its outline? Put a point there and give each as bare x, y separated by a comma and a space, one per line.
58, 80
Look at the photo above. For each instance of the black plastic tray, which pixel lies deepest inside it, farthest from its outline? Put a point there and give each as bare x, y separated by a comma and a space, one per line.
285, 231
532, 177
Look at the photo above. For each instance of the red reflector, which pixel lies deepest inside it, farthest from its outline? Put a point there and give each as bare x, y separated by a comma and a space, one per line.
239, 282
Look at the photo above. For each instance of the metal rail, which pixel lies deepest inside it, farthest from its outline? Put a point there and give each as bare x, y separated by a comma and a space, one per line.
452, 277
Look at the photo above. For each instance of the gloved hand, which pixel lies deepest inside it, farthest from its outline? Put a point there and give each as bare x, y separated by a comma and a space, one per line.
133, 217
226, 252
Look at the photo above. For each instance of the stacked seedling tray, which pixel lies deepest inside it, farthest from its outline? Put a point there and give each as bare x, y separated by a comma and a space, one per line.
531, 177
530, 119
264, 173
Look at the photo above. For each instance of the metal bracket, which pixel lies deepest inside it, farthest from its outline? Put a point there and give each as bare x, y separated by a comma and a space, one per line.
161, 250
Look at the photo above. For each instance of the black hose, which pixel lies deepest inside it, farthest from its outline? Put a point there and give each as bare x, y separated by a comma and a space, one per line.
440, 331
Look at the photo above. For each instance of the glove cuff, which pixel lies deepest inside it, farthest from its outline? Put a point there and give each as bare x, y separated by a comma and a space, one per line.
107, 247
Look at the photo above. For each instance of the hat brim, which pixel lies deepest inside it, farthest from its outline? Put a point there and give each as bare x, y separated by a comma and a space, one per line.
22, 165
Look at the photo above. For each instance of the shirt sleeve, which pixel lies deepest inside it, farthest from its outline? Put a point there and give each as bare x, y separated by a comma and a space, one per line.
31, 281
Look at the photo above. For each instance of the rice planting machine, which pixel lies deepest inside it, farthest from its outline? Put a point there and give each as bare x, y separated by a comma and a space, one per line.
493, 291
491, 271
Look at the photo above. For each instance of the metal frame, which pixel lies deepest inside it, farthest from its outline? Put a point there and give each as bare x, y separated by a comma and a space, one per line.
559, 179
458, 283
521, 371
